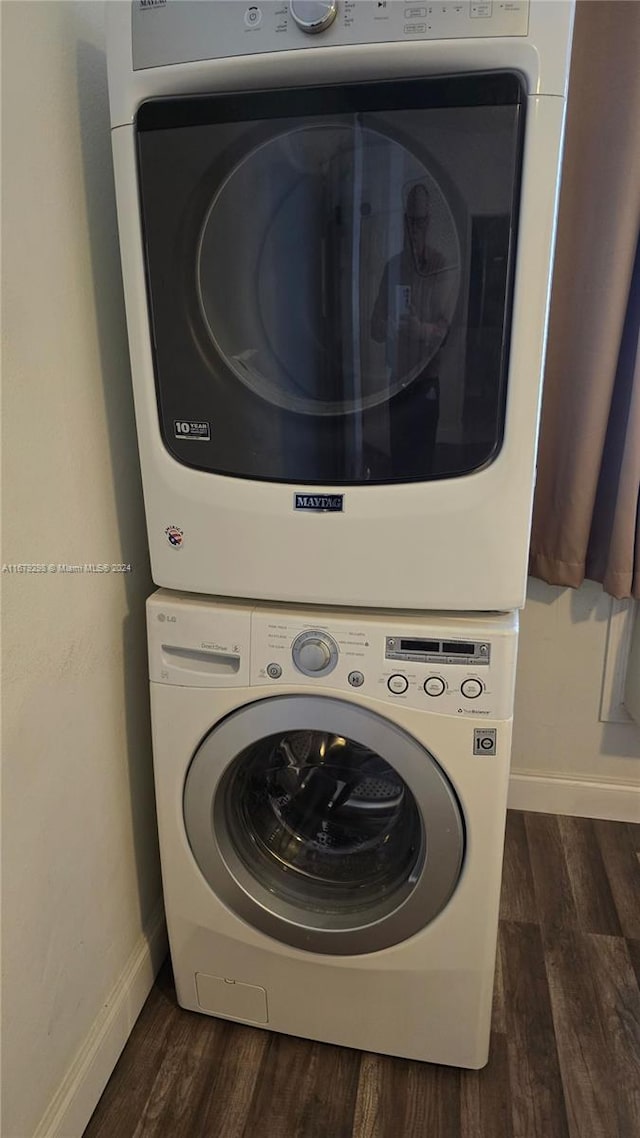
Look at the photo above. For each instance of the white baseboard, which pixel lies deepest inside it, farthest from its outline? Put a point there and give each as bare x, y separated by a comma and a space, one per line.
77, 1096
546, 794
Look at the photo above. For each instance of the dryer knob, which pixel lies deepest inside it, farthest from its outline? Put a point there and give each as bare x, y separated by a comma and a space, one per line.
314, 653
313, 16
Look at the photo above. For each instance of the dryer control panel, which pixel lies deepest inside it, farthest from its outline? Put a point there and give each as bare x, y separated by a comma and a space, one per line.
166, 32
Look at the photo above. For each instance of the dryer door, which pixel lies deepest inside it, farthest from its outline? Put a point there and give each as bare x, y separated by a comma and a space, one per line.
329, 275
323, 824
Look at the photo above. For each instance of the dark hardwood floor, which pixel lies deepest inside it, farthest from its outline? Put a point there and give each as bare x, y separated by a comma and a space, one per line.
565, 1052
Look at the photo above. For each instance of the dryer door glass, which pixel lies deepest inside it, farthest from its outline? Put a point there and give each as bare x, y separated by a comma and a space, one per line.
329, 274
323, 824
329, 333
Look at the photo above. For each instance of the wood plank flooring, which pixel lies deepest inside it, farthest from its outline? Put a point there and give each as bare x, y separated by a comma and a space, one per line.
565, 1051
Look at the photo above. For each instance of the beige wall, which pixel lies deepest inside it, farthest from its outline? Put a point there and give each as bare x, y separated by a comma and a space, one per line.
557, 730
80, 870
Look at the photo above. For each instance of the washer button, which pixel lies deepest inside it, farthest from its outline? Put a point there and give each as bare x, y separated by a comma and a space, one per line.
253, 17
398, 684
434, 686
471, 689
274, 670
356, 679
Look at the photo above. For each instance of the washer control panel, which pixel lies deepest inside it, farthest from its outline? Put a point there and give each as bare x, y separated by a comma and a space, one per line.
439, 668
166, 32
196, 642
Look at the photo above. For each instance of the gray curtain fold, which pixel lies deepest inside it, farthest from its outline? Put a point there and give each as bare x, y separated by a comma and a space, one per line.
587, 502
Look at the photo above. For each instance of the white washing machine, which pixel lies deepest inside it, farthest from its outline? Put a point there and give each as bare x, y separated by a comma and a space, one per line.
331, 792
337, 223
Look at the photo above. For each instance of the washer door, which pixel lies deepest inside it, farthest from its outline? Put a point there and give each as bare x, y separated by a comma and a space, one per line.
323, 825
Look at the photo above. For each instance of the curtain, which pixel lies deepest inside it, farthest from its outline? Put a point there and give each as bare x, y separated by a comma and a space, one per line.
586, 520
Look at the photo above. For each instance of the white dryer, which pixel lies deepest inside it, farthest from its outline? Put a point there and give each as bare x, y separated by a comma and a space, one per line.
331, 793
336, 224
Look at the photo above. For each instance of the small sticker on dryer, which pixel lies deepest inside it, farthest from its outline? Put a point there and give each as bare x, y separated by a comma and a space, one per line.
175, 536
192, 429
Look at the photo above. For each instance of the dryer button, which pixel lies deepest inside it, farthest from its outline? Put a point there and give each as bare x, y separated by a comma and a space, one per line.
253, 17
398, 684
434, 686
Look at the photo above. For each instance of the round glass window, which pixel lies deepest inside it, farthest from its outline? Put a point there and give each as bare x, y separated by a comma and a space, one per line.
323, 822
328, 268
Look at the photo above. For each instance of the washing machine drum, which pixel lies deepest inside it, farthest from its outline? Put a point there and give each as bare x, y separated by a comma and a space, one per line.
323, 824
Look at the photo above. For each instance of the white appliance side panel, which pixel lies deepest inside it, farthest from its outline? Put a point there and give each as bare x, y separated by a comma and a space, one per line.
460, 543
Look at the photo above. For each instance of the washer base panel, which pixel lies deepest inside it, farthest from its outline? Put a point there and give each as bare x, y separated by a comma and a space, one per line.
439, 1015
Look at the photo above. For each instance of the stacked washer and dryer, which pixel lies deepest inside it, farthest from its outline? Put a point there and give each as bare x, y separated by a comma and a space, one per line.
337, 223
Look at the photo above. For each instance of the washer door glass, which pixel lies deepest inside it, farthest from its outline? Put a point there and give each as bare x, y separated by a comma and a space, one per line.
336, 832
323, 822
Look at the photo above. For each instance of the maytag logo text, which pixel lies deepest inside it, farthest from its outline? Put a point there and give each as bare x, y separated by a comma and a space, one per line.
319, 503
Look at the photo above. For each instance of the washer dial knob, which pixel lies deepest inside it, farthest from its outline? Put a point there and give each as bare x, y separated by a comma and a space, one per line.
471, 688
314, 653
313, 16
434, 686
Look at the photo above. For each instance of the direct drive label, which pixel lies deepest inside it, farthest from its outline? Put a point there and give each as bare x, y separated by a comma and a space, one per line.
192, 429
